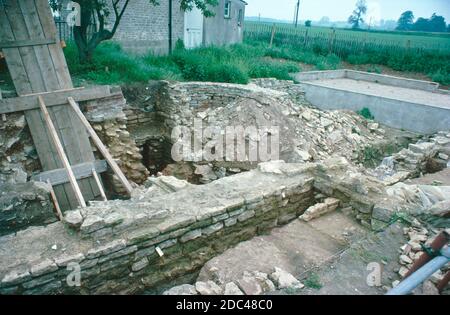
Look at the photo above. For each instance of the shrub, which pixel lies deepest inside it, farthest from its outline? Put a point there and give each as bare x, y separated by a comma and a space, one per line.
365, 112
272, 69
441, 77
313, 281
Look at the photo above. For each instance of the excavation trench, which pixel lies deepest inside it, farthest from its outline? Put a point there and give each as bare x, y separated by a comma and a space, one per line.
116, 241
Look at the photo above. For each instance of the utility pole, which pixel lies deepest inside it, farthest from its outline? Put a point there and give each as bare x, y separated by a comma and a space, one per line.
296, 12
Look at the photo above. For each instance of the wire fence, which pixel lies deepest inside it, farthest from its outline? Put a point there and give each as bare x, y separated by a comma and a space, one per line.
344, 42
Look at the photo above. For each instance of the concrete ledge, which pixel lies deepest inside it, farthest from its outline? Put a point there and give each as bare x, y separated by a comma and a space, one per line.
402, 109
366, 76
393, 113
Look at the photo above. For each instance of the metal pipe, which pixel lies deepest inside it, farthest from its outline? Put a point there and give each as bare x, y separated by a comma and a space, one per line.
440, 241
414, 280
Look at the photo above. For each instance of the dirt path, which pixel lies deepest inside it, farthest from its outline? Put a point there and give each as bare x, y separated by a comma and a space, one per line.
334, 249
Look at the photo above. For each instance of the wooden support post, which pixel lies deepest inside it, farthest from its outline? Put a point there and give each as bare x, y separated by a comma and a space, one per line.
3, 115
103, 150
55, 202
272, 36
61, 153
99, 184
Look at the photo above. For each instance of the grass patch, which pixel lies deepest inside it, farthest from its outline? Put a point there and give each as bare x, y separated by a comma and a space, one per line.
365, 112
313, 281
233, 64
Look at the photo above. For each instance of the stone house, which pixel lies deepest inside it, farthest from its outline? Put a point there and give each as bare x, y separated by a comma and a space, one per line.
149, 28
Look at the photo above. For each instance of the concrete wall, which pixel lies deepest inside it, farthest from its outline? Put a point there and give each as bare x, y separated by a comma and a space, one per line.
219, 30
369, 77
393, 113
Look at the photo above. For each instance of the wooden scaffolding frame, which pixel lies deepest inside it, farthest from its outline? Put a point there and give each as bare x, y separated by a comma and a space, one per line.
38, 68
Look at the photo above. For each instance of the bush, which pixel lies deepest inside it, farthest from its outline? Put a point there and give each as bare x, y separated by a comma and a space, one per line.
441, 77
365, 112
272, 69
358, 59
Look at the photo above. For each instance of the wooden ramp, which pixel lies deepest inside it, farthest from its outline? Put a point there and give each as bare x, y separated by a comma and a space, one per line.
37, 64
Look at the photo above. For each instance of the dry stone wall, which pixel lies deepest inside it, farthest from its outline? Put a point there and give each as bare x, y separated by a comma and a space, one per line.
116, 243
23, 205
107, 117
170, 228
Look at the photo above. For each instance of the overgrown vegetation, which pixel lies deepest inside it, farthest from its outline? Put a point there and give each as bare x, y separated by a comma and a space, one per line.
365, 112
233, 64
253, 59
313, 281
425, 53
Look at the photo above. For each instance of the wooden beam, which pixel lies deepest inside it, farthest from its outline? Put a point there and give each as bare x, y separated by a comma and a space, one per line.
3, 115
30, 101
80, 171
99, 184
103, 150
55, 202
25, 43
61, 153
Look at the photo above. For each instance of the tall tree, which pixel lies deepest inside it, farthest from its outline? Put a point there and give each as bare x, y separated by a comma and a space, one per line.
434, 24
358, 14
437, 23
100, 11
422, 25
406, 21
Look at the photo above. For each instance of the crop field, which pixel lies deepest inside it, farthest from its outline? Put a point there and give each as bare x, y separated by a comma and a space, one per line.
339, 40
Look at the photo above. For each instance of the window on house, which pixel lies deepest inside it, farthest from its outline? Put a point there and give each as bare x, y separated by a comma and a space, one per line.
240, 17
227, 12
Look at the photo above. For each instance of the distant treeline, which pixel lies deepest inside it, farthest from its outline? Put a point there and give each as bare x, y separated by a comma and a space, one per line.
435, 23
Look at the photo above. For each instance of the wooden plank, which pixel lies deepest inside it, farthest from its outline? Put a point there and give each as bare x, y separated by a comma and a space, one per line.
55, 202
24, 43
39, 69
80, 171
59, 97
34, 28
3, 115
62, 154
26, 80
19, 29
50, 32
99, 184
71, 137
103, 150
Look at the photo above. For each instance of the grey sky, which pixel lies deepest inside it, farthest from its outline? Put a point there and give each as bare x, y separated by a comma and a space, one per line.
339, 10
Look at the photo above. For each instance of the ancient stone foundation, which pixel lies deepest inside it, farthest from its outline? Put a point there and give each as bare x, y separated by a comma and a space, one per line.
116, 243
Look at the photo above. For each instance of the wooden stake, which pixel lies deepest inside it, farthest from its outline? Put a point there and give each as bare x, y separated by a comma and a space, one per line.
99, 184
55, 201
3, 115
103, 150
272, 36
61, 153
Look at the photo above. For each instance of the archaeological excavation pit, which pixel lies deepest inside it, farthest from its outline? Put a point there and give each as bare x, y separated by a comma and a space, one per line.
172, 230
